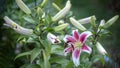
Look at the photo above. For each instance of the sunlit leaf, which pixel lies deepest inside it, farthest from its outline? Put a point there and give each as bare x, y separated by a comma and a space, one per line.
46, 61
22, 54
34, 54
59, 60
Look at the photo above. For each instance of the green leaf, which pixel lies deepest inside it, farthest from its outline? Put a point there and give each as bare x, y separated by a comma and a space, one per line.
59, 60
69, 65
33, 66
55, 49
29, 19
30, 66
47, 46
102, 60
34, 54
96, 58
46, 61
22, 54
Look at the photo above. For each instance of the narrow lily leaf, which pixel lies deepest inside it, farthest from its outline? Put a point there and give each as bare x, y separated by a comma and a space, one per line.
111, 21
62, 12
56, 6
77, 24
34, 54
22, 54
57, 50
61, 27
46, 61
23, 6
32, 66
29, 19
69, 65
96, 58
59, 60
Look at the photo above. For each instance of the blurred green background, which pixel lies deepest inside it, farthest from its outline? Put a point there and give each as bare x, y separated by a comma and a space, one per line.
102, 9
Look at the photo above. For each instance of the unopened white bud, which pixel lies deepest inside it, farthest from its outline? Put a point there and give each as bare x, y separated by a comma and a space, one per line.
102, 22
39, 11
100, 49
61, 22
23, 7
62, 12
17, 27
86, 20
77, 24
56, 6
61, 27
53, 39
111, 21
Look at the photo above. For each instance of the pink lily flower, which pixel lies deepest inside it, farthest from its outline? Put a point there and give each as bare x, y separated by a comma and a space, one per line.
76, 44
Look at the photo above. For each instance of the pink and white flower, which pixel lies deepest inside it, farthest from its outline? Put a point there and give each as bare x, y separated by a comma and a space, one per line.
76, 44
53, 39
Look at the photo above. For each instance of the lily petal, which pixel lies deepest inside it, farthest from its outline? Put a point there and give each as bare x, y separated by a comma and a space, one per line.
76, 56
75, 34
68, 50
69, 39
86, 48
53, 39
84, 36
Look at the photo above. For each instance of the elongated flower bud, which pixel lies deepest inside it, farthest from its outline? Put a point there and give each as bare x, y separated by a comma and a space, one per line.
100, 49
93, 23
39, 11
61, 22
86, 20
110, 21
44, 2
17, 27
53, 39
56, 6
77, 24
23, 7
102, 22
61, 27
62, 12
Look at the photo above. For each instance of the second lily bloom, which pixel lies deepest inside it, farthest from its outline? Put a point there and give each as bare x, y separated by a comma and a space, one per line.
76, 44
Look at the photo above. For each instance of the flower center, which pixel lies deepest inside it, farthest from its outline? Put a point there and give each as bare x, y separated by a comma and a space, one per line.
78, 44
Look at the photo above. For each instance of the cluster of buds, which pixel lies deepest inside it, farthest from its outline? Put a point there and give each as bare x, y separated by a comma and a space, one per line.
77, 41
